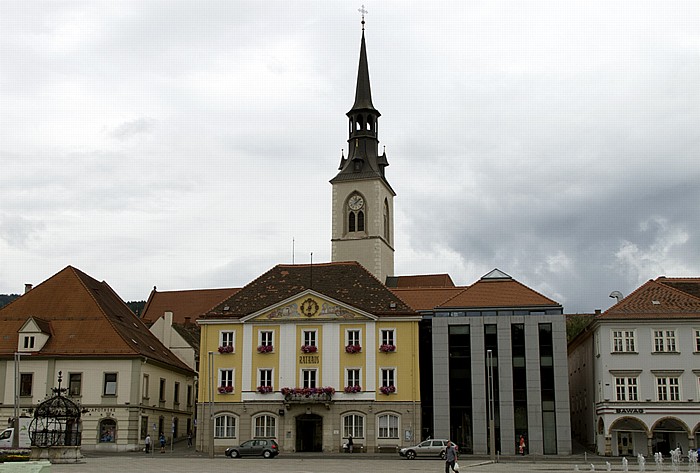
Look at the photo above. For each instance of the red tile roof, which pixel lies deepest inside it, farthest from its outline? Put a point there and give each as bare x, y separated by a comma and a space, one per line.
192, 303
426, 298
86, 317
487, 293
423, 280
660, 298
346, 282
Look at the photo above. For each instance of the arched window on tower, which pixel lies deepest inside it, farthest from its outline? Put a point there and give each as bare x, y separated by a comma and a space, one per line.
359, 123
386, 220
351, 222
360, 221
355, 211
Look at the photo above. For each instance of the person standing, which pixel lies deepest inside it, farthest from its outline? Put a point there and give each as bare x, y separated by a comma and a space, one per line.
189, 439
148, 443
349, 443
162, 443
521, 445
450, 457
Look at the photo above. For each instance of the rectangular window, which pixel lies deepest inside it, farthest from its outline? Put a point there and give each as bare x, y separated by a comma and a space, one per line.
387, 337
308, 378
623, 341
664, 341
388, 378
110, 385
264, 426
25, 384
697, 340
161, 390
75, 384
353, 377
626, 389
176, 394
225, 427
354, 425
265, 377
388, 426
266, 339
668, 389
144, 387
226, 377
226, 338
310, 338
353, 337
189, 395
29, 341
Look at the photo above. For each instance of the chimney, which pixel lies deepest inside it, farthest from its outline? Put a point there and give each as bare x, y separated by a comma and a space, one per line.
167, 328
187, 320
27, 288
597, 312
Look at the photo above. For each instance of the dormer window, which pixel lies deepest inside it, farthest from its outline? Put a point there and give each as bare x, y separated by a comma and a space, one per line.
356, 213
33, 335
28, 342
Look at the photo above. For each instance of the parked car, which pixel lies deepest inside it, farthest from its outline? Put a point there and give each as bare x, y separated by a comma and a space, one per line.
428, 448
267, 448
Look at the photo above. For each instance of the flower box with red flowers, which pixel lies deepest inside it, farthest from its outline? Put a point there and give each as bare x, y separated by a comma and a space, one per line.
225, 389
386, 348
353, 389
265, 349
309, 348
226, 349
264, 389
353, 349
388, 389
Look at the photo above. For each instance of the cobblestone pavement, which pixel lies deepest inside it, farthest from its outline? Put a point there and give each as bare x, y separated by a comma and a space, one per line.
301, 463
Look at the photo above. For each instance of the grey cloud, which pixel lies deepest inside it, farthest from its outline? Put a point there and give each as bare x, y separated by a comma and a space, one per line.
135, 127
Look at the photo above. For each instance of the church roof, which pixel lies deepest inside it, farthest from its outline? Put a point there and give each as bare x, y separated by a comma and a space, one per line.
184, 304
660, 298
346, 282
86, 319
363, 91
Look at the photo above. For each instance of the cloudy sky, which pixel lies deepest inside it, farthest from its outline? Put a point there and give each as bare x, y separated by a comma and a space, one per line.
187, 144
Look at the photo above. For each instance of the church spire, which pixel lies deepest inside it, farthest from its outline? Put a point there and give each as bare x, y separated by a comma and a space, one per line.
363, 91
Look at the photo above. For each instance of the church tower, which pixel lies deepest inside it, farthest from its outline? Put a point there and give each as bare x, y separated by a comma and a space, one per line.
363, 200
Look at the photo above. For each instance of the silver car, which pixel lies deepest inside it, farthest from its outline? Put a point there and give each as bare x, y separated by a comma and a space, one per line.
428, 448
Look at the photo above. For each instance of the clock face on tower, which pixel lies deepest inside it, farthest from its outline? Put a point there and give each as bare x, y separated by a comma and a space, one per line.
356, 202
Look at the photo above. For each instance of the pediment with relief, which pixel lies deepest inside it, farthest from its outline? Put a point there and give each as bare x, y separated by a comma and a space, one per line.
309, 306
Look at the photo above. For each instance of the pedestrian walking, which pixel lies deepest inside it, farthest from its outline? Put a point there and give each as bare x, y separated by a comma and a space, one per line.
521, 446
349, 443
148, 443
189, 439
162, 443
450, 457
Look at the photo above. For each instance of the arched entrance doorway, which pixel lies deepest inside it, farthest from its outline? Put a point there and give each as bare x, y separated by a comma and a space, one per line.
309, 434
628, 437
668, 434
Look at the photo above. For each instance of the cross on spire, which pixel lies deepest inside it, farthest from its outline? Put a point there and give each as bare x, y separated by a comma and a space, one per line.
363, 11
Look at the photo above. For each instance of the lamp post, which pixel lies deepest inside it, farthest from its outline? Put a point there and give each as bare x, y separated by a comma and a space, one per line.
211, 404
15, 420
492, 427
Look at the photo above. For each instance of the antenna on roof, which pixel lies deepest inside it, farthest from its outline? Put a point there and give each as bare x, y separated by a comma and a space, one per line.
311, 271
292, 250
616, 295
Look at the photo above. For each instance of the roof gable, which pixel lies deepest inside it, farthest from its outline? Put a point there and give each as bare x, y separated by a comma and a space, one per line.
308, 306
497, 289
35, 325
345, 282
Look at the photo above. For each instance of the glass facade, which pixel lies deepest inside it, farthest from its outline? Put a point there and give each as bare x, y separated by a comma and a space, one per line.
549, 419
517, 337
461, 429
491, 345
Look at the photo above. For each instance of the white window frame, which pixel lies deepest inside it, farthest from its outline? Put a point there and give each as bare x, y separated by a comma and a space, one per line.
29, 342
347, 376
267, 428
668, 388
384, 374
310, 337
145, 386
626, 388
354, 424
224, 381
227, 338
384, 340
104, 384
696, 332
627, 340
664, 340
390, 432
225, 426
271, 372
270, 342
349, 341
306, 383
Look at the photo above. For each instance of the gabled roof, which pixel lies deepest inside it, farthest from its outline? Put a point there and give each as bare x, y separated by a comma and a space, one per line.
87, 319
346, 282
497, 289
420, 280
426, 298
192, 303
660, 298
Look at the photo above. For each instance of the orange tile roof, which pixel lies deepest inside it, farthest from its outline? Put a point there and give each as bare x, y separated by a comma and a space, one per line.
498, 293
86, 318
191, 303
660, 298
426, 298
424, 280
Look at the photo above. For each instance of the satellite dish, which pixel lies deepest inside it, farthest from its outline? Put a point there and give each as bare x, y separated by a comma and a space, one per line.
616, 295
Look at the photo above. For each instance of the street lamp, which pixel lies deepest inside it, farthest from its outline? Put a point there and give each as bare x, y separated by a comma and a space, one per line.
492, 427
211, 404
